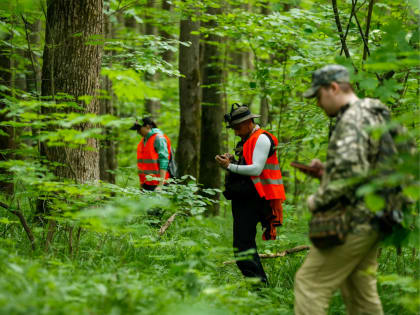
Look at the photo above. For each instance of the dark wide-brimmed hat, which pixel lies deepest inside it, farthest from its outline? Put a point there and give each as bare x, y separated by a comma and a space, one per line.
238, 115
144, 121
324, 77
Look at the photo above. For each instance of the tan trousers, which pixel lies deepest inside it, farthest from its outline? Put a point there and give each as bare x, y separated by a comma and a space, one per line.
350, 267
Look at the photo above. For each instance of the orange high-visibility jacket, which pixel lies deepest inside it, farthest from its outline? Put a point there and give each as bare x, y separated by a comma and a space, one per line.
269, 183
147, 159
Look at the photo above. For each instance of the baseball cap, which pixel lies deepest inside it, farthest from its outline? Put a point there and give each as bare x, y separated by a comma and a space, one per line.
144, 121
326, 75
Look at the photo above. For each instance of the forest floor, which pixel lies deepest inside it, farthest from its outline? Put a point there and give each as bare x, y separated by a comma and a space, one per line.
182, 272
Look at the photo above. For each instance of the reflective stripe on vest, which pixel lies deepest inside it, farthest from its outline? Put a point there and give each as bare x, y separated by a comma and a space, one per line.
148, 160
273, 167
148, 172
269, 183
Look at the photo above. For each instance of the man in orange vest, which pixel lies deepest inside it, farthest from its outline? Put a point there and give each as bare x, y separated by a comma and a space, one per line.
254, 184
153, 155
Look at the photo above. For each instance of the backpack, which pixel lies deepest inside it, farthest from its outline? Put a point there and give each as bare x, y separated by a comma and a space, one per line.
390, 218
172, 167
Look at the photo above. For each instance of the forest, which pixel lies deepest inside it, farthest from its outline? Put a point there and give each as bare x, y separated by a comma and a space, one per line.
78, 236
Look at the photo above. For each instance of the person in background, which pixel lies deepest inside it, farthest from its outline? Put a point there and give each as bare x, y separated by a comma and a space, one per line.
351, 153
153, 154
255, 187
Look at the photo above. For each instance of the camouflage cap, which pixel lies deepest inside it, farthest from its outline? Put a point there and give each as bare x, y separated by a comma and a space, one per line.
326, 75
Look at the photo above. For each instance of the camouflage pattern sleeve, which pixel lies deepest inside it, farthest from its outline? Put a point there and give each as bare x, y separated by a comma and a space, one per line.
347, 162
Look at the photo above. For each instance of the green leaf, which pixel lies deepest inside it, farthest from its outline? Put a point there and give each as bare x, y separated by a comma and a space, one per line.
374, 202
412, 192
368, 83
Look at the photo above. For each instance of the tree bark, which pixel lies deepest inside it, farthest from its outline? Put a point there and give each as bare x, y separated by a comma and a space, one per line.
353, 11
368, 20
6, 133
212, 112
168, 55
130, 22
72, 66
264, 106
340, 29
189, 92
152, 105
23, 221
242, 60
33, 38
264, 110
108, 147
365, 44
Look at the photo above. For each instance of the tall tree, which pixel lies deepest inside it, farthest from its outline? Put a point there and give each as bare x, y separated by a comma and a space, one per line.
189, 97
264, 104
108, 147
33, 38
71, 65
212, 109
167, 8
152, 105
6, 132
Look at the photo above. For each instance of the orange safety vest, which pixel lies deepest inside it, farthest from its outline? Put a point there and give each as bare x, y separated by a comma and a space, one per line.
269, 183
147, 160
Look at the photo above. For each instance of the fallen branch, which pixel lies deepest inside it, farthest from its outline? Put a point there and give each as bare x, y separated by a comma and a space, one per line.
281, 254
167, 224
22, 220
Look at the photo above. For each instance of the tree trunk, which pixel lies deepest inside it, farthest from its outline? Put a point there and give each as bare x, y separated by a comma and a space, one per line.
368, 20
72, 66
33, 78
264, 106
108, 147
243, 60
130, 22
6, 132
212, 111
264, 112
168, 55
189, 92
340, 29
152, 105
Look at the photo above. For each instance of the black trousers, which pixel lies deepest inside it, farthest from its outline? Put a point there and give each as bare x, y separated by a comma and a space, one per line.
148, 187
246, 215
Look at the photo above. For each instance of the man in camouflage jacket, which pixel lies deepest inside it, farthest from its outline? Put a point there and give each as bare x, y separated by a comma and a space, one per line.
352, 153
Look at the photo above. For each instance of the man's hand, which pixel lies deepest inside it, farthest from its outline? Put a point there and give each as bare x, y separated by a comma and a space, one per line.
229, 156
223, 160
162, 176
158, 188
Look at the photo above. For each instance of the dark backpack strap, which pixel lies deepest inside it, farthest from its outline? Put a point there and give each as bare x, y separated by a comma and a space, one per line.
272, 150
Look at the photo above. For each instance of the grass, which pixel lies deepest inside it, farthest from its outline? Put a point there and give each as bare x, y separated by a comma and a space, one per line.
134, 272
